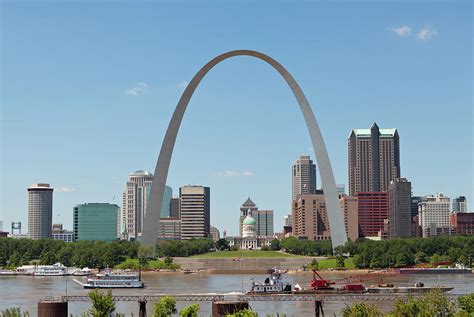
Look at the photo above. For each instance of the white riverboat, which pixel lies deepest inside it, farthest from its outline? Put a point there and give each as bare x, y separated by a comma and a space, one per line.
110, 279
56, 269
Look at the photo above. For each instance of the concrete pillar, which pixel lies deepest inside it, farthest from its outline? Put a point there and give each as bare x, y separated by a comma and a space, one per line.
52, 308
223, 308
142, 305
318, 308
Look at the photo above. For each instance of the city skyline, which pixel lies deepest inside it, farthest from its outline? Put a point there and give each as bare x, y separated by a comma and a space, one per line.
90, 165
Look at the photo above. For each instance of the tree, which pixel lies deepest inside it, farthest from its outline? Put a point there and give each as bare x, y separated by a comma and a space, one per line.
103, 305
420, 257
222, 244
190, 311
466, 304
14, 312
145, 252
275, 245
168, 261
165, 307
435, 303
340, 260
244, 313
361, 310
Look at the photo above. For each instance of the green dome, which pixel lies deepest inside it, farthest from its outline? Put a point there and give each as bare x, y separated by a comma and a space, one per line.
249, 221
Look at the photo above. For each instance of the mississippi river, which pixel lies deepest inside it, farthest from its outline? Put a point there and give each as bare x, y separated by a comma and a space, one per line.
26, 291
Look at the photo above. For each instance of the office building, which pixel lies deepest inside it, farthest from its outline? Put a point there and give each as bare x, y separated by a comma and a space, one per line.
195, 212
372, 211
433, 215
310, 220
215, 234
349, 205
166, 203
399, 208
135, 201
247, 206
40, 211
374, 159
460, 204
264, 223
415, 200
61, 234
95, 221
16, 227
303, 177
169, 229
175, 208
463, 223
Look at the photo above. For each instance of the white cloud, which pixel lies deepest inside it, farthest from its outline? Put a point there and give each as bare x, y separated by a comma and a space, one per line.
230, 173
182, 84
64, 189
138, 89
426, 33
402, 31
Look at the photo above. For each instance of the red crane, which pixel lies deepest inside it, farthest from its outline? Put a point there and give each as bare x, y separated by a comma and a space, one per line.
319, 283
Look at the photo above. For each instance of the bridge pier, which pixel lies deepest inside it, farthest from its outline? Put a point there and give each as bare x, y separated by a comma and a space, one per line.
52, 308
223, 308
142, 310
318, 308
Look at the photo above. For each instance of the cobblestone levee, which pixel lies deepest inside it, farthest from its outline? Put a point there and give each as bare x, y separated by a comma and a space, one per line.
227, 265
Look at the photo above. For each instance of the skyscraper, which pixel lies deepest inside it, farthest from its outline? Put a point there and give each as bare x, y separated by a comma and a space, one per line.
399, 208
460, 204
264, 225
40, 211
374, 159
303, 177
433, 215
195, 212
135, 200
95, 221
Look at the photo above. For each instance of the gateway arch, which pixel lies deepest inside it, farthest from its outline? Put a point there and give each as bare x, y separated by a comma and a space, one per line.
335, 216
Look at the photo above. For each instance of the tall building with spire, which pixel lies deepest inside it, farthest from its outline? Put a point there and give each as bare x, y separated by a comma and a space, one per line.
303, 177
374, 159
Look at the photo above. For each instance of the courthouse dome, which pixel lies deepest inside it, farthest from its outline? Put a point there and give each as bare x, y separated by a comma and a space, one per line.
249, 220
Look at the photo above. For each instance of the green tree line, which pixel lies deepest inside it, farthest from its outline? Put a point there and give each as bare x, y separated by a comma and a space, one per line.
94, 254
408, 252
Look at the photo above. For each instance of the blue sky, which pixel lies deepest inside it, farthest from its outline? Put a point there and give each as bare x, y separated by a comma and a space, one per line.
87, 91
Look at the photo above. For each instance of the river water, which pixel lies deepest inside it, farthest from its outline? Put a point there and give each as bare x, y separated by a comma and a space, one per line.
26, 291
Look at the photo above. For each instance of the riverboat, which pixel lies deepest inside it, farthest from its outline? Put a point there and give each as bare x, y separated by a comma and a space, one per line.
110, 279
415, 289
56, 269
272, 284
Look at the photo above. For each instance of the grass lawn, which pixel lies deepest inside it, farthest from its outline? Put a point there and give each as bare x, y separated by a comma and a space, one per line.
245, 254
132, 264
331, 263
